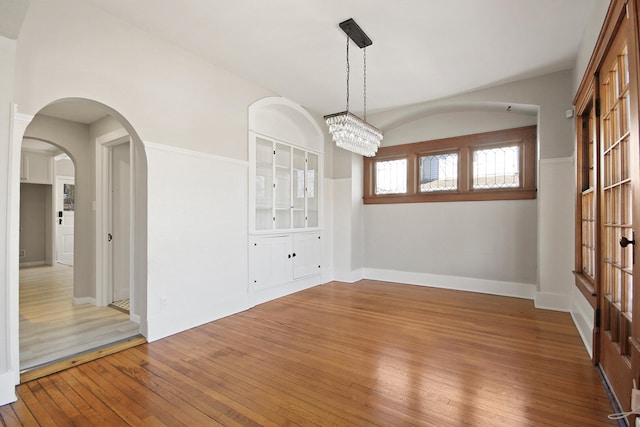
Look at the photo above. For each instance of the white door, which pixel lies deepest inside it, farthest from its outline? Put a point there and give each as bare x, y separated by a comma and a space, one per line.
65, 210
120, 221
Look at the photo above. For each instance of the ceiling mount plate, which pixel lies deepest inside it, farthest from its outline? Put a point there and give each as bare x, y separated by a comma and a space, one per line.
355, 33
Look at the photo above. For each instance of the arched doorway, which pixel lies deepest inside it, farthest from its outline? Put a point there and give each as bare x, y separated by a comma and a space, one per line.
78, 126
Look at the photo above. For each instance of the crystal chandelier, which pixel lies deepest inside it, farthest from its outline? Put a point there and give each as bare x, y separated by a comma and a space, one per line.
347, 130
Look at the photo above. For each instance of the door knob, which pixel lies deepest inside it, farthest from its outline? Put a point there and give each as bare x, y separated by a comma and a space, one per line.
624, 242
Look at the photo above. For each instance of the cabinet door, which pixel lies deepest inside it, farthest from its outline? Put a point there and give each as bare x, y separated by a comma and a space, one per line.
264, 185
285, 193
306, 255
312, 190
36, 167
283, 187
298, 194
270, 261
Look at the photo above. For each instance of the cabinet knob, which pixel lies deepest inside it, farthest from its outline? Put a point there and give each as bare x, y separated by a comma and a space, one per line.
294, 254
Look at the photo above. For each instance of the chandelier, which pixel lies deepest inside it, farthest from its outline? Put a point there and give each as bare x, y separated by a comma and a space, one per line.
347, 130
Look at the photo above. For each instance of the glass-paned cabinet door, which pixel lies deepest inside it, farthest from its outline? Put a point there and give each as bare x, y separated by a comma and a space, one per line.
298, 193
264, 184
312, 189
283, 186
286, 188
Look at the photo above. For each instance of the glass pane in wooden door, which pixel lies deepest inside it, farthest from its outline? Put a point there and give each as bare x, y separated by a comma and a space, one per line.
617, 263
588, 198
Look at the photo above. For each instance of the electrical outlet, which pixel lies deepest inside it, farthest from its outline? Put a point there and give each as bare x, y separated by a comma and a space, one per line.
163, 303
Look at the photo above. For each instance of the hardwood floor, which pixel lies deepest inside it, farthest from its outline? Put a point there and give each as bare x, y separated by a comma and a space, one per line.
53, 328
363, 354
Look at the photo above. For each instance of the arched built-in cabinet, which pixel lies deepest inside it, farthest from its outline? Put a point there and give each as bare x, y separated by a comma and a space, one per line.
285, 194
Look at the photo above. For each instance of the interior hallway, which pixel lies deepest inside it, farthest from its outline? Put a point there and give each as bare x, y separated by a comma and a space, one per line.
53, 328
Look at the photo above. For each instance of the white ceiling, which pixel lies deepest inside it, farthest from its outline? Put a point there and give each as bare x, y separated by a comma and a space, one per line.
422, 49
12, 13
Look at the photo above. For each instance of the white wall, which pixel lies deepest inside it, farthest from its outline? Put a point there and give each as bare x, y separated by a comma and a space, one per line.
494, 240
589, 39
556, 189
70, 49
64, 167
448, 124
347, 217
197, 239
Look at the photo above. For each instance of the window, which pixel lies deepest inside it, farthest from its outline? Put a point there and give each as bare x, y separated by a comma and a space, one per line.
496, 165
438, 172
392, 176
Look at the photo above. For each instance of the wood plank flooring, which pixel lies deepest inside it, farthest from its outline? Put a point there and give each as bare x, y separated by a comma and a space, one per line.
364, 354
53, 328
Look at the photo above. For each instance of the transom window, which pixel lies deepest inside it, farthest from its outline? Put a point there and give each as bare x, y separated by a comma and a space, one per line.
392, 176
438, 172
496, 165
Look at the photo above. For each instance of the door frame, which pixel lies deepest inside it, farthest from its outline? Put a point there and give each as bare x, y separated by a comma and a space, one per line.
104, 288
589, 88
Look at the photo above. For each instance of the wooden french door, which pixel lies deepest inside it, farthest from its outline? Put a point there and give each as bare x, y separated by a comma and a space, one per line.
618, 152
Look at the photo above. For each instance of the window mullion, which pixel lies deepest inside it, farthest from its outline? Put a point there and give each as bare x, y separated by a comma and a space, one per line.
464, 169
412, 173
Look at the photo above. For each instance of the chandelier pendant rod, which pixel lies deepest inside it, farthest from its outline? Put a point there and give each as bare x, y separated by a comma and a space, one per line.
348, 69
365, 83
347, 130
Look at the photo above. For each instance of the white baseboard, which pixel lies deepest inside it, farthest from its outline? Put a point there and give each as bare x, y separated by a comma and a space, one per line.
584, 331
7, 388
32, 263
493, 287
582, 314
350, 277
84, 300
260, 296
557, 302
166, 323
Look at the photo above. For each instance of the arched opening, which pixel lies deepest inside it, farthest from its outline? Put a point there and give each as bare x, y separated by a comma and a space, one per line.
108, 198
